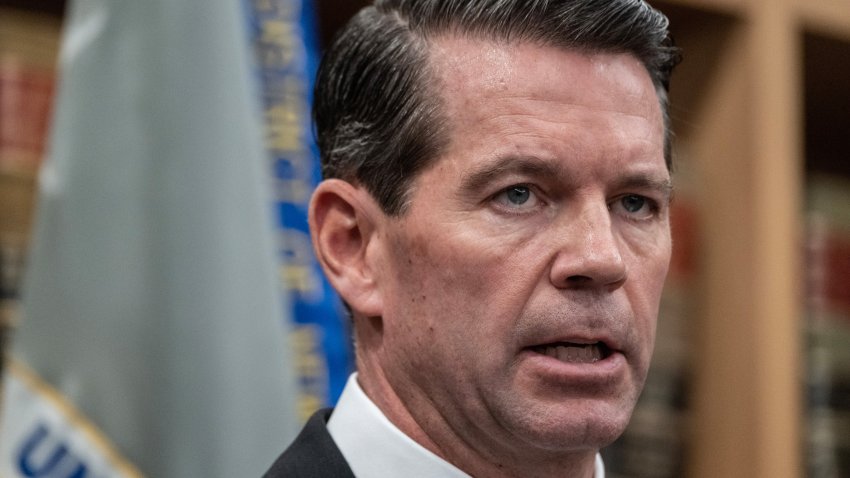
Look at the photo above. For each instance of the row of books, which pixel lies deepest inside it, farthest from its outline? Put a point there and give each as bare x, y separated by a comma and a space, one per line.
827, 327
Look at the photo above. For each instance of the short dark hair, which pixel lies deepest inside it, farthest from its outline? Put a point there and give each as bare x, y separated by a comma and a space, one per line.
377, 114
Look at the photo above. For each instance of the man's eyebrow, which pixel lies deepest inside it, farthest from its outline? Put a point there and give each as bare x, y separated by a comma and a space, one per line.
535, 167
647, 182
521, 165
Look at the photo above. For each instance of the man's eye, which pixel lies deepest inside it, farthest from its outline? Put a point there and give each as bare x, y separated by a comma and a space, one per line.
517, 196
633, 203
635, 206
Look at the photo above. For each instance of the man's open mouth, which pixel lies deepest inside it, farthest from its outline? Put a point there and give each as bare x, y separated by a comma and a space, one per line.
569, 352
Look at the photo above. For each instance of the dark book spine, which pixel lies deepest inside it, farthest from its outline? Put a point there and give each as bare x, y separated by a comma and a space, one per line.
828, 327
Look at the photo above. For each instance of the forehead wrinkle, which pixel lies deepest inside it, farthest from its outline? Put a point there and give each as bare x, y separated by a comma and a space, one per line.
569, 113
509, 111
576, 103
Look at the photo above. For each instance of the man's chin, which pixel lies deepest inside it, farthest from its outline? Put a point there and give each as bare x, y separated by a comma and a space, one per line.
572, 427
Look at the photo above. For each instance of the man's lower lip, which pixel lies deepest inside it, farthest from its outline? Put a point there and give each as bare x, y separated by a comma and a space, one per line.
608, 367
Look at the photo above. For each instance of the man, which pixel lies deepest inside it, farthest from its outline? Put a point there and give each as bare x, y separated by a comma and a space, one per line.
495, 215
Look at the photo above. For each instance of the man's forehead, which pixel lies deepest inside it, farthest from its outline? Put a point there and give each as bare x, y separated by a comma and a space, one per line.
481, 67
451, 57
477, 80
500, 94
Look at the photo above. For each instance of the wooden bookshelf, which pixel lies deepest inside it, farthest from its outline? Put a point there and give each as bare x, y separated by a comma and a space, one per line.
829, 17
763, 88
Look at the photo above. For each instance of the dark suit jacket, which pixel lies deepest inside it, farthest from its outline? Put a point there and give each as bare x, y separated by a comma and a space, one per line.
313, 454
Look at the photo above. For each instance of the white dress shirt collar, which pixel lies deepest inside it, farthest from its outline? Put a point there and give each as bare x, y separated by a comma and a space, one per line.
375, 448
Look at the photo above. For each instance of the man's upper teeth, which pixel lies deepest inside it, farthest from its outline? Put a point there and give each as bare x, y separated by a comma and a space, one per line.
575, 353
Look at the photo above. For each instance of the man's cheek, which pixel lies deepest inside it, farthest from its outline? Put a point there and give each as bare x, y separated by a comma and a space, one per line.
446, 264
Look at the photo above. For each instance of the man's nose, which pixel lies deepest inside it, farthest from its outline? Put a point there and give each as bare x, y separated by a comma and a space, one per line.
589, 251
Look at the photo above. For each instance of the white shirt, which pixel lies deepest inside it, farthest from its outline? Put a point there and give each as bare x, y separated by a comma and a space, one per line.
359, 428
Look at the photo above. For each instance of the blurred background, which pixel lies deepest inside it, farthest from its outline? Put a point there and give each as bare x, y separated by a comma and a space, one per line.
751, 376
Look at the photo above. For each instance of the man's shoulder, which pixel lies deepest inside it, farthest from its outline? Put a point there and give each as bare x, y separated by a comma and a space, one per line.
312, 454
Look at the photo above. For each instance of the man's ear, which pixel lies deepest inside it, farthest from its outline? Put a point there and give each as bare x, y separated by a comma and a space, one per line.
342, 224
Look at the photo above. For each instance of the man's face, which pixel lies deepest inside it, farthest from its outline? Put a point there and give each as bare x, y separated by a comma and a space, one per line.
522, 283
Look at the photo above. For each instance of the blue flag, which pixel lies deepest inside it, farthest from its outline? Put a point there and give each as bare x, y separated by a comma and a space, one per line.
285, 39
